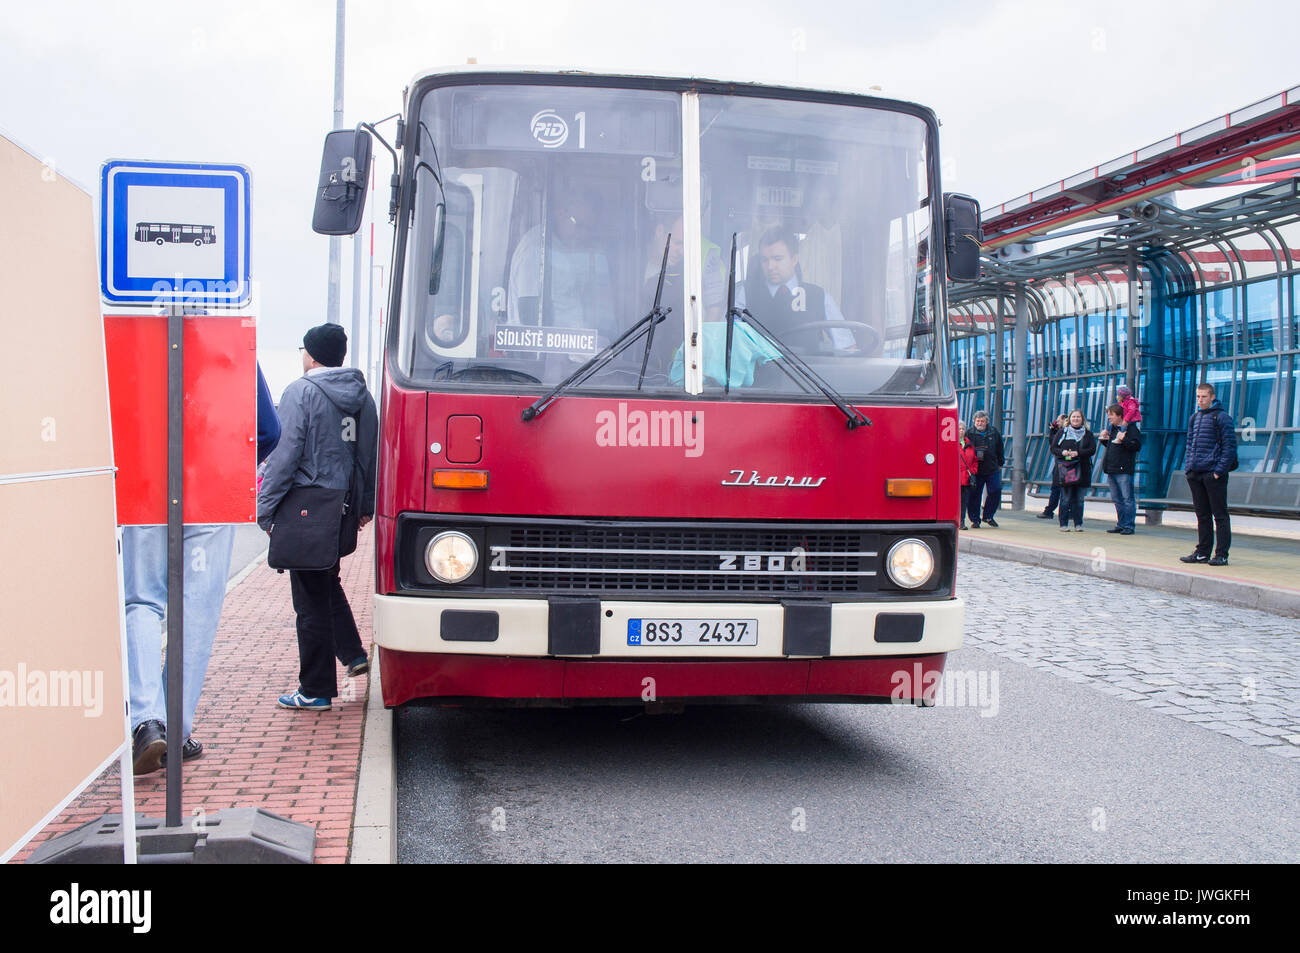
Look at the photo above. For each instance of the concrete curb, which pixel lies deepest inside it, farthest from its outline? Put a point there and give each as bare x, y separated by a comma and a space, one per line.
1245, 594
247, 571
375, 813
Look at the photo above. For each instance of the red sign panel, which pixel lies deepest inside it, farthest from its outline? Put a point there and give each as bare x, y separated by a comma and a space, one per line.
220, 423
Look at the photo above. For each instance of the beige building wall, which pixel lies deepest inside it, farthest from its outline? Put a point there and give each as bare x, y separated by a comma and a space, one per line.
61, 692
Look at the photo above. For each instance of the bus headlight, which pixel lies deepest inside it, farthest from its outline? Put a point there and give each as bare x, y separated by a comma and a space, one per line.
451, 557
910, 563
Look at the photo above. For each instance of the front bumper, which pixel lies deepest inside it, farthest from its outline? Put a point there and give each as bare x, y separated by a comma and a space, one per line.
415, 624
520, 660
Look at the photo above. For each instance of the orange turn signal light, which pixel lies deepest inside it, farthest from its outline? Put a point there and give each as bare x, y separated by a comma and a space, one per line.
909, 488
460, 479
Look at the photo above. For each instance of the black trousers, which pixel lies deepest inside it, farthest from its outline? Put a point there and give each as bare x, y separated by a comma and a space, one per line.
1210, 500
326, 630
1071, 504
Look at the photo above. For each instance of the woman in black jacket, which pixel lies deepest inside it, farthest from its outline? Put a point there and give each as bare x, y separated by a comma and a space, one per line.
1073, 449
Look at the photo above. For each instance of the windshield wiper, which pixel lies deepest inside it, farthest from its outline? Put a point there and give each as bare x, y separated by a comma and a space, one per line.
655, 310
797, 371
731, 314
797, 366
625, 340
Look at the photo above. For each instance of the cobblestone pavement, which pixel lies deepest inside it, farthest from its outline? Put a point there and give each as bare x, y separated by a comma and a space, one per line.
1234, 671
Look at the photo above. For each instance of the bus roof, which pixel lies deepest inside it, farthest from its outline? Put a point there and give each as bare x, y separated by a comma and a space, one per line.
523, 72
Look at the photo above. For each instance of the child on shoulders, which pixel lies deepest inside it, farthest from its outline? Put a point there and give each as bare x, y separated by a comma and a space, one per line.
1132, 414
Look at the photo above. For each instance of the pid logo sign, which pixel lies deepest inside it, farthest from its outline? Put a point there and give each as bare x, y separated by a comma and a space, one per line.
550, 129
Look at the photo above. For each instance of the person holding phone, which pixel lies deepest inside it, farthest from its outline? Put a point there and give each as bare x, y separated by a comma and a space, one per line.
1123, 440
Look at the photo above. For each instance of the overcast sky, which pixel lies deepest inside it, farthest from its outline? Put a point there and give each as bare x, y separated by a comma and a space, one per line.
1027, 92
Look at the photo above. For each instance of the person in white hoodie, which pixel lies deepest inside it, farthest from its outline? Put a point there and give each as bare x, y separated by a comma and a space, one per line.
328, 428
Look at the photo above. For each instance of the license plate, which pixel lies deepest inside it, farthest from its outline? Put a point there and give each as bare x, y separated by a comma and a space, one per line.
679, 632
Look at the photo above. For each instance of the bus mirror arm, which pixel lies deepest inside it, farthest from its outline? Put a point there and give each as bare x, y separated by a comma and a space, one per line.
395, 180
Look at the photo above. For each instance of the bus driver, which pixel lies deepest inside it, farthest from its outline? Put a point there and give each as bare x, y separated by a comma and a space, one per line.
774, 294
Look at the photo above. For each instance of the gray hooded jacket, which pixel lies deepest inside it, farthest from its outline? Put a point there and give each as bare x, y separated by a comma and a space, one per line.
318, 425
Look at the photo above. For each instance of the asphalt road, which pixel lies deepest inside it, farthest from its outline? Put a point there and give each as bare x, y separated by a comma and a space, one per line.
1057, 765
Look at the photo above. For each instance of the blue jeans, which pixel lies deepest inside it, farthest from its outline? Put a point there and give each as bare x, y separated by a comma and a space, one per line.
206, 553
1121, 492
993, 483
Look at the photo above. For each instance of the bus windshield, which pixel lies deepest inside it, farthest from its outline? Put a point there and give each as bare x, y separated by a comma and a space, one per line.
542, 214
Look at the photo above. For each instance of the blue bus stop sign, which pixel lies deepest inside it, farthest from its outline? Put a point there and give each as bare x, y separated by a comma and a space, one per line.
174, 231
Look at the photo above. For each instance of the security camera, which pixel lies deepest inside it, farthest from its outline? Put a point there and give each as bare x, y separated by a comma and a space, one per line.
1015, 251
1147, 211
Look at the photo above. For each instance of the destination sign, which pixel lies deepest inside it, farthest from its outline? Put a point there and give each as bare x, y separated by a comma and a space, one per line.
514, 337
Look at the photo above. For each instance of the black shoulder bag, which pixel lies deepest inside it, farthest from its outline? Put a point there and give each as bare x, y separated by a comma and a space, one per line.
316, 526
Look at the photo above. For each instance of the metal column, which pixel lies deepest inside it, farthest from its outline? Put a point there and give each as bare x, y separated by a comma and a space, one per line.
355, 346
994, 404
175, 558
332, 297
1136, 306
1020, 398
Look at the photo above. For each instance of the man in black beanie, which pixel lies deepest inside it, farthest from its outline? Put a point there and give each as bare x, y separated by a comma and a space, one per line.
328, 436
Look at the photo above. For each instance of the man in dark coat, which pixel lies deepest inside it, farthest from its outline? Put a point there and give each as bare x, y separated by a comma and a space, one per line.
1211, 455
329, 431
986, 440
1119, 465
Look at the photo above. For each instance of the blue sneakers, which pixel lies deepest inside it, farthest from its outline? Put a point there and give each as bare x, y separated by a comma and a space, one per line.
301, 702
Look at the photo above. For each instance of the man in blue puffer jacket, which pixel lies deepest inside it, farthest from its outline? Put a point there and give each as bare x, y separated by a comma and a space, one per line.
1211, 455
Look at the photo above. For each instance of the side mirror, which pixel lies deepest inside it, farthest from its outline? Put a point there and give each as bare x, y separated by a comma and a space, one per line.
344, 178
965, 236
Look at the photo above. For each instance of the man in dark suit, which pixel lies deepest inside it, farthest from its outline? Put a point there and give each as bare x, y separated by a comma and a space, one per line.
774, 294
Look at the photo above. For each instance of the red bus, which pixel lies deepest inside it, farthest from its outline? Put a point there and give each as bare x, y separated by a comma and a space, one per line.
666, 415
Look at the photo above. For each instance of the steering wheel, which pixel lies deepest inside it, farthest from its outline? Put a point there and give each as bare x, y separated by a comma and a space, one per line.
865, 336
495, 375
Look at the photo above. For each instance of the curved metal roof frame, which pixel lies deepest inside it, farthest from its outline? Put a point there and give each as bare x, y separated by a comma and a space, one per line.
1165, 247
1222, 146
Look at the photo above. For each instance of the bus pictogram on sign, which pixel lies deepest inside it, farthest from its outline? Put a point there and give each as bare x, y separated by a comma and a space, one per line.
160, 234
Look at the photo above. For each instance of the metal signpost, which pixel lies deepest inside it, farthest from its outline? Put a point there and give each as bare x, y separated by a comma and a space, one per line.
175, 234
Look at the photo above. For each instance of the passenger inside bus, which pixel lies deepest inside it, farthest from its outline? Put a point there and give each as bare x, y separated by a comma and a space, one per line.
574, 288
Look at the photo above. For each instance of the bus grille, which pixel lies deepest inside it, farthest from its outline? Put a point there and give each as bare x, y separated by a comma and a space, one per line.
699, 559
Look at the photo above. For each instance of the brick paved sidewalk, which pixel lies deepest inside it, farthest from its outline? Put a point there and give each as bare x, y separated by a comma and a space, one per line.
300, 765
